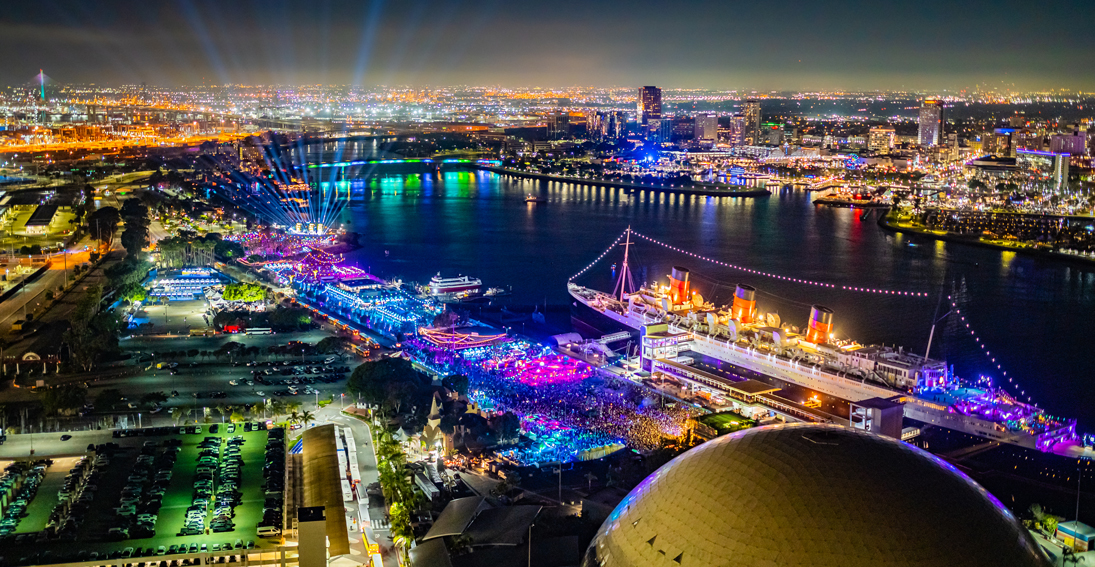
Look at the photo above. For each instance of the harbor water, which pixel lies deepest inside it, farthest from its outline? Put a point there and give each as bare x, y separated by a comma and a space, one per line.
1033, 315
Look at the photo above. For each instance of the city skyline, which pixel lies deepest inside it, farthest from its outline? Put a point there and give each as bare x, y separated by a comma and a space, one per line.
839, 47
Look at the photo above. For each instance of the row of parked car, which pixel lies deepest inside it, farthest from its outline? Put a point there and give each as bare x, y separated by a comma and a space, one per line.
208, 456
181, 549
73, 500
20, 481
228, 486
273, 484
142, 495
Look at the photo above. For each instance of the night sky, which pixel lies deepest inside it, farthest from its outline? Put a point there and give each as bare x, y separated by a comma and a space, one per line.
881, 44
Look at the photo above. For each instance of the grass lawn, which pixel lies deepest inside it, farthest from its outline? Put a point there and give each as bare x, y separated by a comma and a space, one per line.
726, 422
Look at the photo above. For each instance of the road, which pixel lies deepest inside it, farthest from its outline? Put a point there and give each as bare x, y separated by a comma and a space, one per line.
50, 444
33, 294
197, 377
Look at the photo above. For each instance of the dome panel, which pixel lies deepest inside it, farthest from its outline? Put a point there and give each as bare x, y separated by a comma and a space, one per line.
811, 496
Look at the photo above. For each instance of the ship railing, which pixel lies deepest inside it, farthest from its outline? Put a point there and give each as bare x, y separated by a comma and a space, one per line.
776, 359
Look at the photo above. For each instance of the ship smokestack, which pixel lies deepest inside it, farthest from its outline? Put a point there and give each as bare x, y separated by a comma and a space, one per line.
821, 324
744, 308
678, 285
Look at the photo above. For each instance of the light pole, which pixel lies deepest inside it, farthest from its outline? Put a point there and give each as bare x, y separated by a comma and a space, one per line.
530, 526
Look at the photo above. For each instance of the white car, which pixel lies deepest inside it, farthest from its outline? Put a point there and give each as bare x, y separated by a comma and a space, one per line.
260, 393
233, 383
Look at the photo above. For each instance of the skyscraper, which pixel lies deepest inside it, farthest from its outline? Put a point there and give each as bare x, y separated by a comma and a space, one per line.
707, 127
735, 133
752, 122
650, 104
650, 110
931, 122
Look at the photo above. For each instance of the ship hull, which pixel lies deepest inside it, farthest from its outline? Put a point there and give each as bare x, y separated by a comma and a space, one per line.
844, 388
604, 321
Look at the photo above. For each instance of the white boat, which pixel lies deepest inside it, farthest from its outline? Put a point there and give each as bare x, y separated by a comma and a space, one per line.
459, 284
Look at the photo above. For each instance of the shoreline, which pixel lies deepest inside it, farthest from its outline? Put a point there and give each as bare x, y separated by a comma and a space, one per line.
694, 190
883, 221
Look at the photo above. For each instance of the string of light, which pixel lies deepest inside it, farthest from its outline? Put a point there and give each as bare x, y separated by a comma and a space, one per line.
599, 258
780, 277
988, 353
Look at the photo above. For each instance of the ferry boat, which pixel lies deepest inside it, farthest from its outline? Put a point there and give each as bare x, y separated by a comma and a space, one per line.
457, 285
854, 197
535, 199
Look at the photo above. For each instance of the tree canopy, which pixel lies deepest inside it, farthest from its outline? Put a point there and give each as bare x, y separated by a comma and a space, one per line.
103, 223
392, 383
456, 383
63, 398
244, 292
93, 334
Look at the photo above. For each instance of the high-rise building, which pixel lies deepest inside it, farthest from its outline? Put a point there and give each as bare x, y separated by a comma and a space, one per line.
662, 130
1074, 144
752, 122
881, 139
1046, 166
998, 142
707, 127
616, 126
595, 125
607, 125
931, 122
650, 110
735, 132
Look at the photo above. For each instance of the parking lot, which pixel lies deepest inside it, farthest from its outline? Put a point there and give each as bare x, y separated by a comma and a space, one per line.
209, 384
207, 381
147, 487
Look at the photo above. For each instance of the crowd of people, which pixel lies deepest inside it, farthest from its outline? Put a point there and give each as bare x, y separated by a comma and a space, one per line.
564, 406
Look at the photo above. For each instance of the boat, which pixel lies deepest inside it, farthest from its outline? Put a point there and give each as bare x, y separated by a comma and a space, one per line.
854, 197
457, 285
738, 334
676, 322
535, 199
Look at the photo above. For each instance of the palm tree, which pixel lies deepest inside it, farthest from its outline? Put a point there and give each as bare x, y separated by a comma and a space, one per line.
294, 417
306, 416
179, 413
276, 407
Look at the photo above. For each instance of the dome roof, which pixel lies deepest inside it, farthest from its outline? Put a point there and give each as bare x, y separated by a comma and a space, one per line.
810, 496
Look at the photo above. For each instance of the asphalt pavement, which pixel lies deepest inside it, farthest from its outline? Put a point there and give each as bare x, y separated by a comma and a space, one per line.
195, 381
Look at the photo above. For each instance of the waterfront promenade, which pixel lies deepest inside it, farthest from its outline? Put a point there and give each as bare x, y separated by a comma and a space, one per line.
703, 190
887, 222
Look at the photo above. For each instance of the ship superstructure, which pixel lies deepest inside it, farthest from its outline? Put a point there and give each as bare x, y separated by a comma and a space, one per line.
459, 284
674, 320
811, 357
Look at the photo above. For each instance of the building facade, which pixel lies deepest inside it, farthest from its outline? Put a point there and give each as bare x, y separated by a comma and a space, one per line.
881, 139
751, 110
707, 128
931, 122
650, 109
